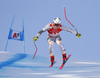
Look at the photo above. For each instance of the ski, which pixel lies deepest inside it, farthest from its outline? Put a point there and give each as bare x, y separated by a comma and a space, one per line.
64, 62
52, 64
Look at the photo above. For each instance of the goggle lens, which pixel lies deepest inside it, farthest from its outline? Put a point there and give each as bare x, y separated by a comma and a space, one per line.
57, 25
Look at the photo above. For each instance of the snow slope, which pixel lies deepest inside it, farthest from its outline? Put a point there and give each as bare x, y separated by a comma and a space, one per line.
17, 65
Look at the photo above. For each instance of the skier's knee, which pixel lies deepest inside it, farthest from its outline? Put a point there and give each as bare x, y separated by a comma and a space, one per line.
51, 43
62, 48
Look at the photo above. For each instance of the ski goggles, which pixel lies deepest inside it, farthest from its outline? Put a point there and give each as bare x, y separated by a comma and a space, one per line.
56, 24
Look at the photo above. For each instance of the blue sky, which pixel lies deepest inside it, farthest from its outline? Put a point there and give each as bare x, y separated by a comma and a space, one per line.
83, 14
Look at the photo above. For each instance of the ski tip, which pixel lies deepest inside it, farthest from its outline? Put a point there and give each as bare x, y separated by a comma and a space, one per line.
59, 68
50, 66
69, 55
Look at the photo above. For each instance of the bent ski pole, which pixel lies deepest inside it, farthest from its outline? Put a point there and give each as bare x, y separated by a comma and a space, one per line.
68, 20
35, 51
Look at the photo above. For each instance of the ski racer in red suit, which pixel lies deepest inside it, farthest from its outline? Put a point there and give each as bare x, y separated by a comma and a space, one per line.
53, 30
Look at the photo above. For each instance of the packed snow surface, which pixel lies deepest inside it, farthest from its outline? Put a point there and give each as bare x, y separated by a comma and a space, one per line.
18, 65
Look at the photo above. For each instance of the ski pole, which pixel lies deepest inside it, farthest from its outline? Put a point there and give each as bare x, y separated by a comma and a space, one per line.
68, 20
35, 51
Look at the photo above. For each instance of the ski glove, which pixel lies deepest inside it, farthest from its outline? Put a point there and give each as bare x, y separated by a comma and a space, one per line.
78, 35
35, 38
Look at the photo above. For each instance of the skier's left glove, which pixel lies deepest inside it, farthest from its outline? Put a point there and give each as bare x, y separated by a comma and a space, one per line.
78, 35
35, 38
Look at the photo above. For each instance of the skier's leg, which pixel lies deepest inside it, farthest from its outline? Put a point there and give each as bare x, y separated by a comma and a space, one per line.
63, 50
51, 53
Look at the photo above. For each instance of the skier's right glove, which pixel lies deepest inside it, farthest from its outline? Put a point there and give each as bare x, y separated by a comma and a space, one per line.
35, 38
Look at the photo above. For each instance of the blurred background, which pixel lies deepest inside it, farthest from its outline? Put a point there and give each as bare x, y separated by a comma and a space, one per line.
83, 14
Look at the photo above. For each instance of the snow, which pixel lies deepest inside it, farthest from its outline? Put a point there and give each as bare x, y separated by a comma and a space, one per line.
18, 65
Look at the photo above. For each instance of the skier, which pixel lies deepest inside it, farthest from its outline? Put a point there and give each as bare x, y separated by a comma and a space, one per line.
53, 30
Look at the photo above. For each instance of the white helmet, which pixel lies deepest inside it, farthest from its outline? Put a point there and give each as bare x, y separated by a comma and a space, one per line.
57, 20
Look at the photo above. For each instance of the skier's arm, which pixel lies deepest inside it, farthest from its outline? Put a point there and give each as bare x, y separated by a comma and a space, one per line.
43, 30
72, 31
68, 30
40, 32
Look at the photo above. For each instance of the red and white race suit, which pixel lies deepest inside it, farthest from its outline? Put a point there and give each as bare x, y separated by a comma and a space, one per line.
53, 36
52, 32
